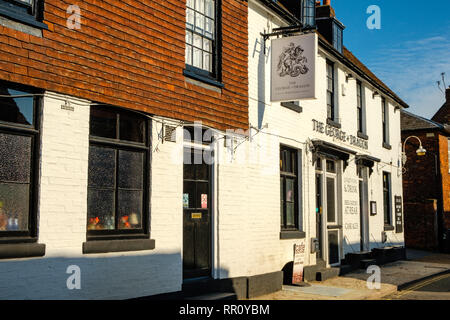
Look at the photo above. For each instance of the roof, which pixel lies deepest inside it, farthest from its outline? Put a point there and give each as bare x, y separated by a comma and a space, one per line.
411, 122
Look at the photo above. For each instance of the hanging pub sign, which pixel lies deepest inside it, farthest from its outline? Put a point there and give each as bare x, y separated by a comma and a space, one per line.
398, 215
294, 68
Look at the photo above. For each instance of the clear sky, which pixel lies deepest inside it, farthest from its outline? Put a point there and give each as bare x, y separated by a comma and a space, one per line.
409, 52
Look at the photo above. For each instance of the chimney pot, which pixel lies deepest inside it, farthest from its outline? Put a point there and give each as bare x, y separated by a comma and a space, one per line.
326, 2
447, 94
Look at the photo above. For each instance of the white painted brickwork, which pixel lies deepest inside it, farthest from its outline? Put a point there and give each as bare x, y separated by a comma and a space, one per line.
62, 222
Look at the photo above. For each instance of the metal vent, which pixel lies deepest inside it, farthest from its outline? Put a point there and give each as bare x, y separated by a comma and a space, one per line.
170, 133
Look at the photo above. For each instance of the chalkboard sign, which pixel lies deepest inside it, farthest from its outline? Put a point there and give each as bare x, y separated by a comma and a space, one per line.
398, 215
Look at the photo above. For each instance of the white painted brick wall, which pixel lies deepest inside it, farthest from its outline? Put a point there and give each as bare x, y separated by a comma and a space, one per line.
62, 222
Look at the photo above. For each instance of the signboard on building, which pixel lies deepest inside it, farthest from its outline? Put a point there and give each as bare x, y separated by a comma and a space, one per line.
398, 214
299, 258
294, 68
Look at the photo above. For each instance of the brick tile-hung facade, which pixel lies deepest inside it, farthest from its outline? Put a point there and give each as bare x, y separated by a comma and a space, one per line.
93, 102
426, 183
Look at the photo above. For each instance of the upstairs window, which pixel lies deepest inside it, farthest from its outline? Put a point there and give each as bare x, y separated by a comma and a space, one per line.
385, 120
201, 54
25, 11
308, 13
330, 91
387, 198
337, 37
359, 105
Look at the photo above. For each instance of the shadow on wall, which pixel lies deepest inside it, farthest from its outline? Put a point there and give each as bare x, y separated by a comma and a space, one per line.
116, 277
261, 79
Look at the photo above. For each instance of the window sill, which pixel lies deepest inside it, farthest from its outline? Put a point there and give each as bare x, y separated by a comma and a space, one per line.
292, 106
387, 146
21, 250
201, 78
288, 235
334, 123
105, 246
388, 227
21, 18
363, 136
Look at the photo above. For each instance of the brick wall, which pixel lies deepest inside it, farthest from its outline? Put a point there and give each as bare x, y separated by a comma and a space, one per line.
131, 54
445, 173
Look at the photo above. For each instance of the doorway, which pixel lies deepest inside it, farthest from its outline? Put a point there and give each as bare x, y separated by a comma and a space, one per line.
196, 215
363, 208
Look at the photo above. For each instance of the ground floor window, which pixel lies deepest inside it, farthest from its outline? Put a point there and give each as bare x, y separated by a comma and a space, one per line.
118, 173
19, 138
387, 198
289, 206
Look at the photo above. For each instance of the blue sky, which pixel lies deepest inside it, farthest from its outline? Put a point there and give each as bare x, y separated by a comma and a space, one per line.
409, 52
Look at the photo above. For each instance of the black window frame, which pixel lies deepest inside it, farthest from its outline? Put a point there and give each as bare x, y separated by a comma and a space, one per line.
331, 108
385, 120
359, 106
117, 144
29, 14
215, 77
387, 198
34, 132
284, 175
338, 35
308, 7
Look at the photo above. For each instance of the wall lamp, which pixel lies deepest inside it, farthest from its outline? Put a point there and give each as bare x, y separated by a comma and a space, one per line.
375, 94
348, 77
420, 152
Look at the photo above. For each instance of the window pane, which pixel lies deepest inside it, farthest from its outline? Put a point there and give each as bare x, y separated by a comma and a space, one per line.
331, 166
202, 189
188, 54
14, 206
290, 215
198, 41
15, 158
190, 3
207, 61
207, 45
331, 208
209, 8
189, 193
209, 28
132, 127
188, 37
200, 6
190, 19
282, 201
17, 110
131, 169
199, 23
100, 209
102, 167
290, 190
103, 123
130, 209
197, 58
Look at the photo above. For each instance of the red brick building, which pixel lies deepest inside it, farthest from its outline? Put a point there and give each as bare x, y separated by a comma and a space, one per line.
426, 181
129, 54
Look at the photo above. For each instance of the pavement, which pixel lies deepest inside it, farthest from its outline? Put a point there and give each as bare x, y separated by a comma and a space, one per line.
420, 267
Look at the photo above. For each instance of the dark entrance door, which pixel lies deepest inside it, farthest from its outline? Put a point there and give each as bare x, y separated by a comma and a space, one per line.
319, 214
196, 215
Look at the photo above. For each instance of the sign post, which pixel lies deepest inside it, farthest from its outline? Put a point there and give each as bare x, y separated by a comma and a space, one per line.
294, 68
299, 258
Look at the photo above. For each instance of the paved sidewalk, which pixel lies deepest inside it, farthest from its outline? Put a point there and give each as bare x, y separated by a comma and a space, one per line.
353, 286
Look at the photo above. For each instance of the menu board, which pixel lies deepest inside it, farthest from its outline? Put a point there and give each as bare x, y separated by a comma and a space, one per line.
398, 215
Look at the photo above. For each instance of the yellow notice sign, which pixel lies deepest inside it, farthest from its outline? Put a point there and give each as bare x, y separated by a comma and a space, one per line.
197, 215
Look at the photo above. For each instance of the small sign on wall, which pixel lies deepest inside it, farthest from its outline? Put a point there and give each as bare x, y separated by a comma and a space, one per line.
373, 208
299, 258
398, 214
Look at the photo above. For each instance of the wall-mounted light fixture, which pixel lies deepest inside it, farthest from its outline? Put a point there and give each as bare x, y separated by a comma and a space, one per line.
396, 108
374, 94
420, 152
349, 76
